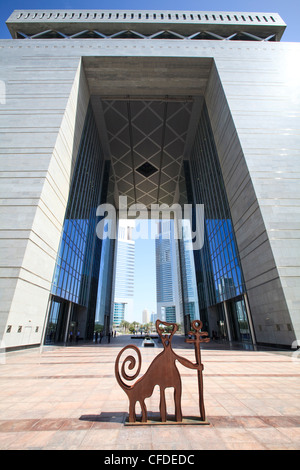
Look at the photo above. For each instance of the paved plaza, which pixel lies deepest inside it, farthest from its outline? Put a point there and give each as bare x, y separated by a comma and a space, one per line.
68, 398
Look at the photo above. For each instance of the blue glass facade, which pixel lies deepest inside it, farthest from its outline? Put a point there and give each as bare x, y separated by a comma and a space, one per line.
105, 293
104, 296
119, 313
77, 267
188, 279
125, 270
168, 285
170, 314
218, 268
164, 279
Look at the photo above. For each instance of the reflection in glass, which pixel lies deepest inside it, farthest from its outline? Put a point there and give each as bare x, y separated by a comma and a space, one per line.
218, 268
77, 267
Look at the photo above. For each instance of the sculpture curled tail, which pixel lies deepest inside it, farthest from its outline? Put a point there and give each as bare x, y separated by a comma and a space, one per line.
130, 362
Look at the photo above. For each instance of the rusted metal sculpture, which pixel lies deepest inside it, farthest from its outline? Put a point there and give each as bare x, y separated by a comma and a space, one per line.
163, 372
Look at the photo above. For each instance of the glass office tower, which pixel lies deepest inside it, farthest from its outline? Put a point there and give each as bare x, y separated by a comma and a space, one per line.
124, 273
168, 288
188, 278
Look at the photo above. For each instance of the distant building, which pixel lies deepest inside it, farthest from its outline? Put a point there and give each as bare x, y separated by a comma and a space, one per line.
188, 278
145, 316
124, 274
153, 317
168, 290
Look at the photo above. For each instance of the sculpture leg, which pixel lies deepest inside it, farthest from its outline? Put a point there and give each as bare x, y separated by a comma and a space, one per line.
177, 401
132, 417
162, 405
144, 411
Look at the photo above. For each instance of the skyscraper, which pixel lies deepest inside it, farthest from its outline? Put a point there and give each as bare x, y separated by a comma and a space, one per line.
188, 279
168, 289
145, 314
124, 274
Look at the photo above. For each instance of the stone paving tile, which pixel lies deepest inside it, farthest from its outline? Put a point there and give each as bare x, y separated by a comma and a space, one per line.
68, 398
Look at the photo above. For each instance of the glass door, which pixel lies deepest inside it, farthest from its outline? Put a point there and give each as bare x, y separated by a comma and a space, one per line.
56, 322
239, 321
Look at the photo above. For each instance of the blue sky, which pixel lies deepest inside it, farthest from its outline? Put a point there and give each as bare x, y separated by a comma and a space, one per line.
289, 10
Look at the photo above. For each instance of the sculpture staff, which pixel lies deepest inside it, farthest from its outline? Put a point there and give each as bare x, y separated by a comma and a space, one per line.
197, 325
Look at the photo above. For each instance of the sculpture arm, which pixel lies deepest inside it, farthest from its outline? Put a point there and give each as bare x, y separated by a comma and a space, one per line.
191, 365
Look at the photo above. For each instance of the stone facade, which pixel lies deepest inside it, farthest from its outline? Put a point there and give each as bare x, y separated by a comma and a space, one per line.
251, 89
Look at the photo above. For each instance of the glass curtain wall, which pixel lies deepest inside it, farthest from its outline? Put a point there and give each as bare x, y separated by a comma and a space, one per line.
164, 285
108, 246
170, 314
218, 268
188, 279
168, 285
77, 267
119, 313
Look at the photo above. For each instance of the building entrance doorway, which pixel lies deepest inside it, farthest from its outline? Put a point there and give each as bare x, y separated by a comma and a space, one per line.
239, 324
155, 150
57, 321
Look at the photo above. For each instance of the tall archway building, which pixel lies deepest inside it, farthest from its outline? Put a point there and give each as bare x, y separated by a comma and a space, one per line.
160, 107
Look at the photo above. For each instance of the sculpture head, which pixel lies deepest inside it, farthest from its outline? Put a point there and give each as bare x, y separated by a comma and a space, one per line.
166, 332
